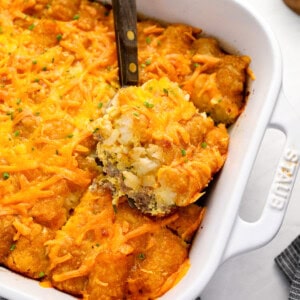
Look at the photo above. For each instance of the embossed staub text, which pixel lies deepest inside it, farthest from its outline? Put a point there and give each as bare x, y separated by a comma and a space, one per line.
284, 179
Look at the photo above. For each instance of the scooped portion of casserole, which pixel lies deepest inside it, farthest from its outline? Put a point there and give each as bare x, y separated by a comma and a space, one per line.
157, 149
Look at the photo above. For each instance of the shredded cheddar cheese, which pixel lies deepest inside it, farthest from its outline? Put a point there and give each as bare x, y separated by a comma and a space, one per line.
51, 85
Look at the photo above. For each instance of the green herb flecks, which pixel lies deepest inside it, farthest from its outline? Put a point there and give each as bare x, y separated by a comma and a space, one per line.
203, 145
141, 256
31, 26
5, 175
59, 37
148, 104
166, 91
17, 133
148, 62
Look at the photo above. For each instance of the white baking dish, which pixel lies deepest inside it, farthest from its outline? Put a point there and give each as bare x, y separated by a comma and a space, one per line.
224, 233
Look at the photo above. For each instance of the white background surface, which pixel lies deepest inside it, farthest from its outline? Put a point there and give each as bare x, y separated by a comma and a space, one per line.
254, 275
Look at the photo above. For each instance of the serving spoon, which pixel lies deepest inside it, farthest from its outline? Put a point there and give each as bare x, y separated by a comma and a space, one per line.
125, 21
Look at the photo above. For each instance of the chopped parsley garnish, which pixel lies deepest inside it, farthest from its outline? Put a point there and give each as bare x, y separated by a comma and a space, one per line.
59, 37
76, 17
41, 274
141, 256
34, 62
31, 27
69, 136
166, 91
203, 145
148, 40
183, 152
11, 114
148, 62
17, 133
148, 105
12, 247
5, 175
100, 105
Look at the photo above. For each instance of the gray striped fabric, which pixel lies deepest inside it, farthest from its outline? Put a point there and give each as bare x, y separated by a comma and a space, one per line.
289, 263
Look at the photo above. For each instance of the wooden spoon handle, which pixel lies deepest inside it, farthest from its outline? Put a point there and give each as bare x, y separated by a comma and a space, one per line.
294, 5
125, 20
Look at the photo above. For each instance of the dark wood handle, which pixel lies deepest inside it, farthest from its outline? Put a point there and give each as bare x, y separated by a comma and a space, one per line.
125, 20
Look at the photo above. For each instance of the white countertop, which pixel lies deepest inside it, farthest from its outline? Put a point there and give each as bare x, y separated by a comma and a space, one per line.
254, 275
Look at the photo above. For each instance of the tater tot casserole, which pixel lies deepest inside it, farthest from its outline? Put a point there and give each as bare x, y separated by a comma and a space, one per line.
100, 185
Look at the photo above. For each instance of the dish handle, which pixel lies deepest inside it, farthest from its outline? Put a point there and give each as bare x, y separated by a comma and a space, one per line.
247, 236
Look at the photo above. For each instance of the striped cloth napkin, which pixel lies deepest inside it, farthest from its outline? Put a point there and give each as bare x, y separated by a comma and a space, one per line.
289, 263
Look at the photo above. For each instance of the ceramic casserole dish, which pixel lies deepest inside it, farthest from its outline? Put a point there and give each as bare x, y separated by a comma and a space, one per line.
223, 233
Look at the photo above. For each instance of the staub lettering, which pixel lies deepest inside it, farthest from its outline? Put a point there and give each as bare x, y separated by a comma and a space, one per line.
284, 179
